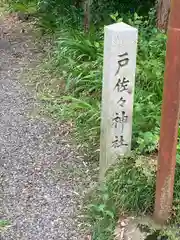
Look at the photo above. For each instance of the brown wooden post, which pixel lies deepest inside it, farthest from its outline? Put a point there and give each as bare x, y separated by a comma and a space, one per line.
87, 6
163, 9
169, 121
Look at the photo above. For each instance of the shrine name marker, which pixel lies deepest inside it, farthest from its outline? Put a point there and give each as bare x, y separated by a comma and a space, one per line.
120, 46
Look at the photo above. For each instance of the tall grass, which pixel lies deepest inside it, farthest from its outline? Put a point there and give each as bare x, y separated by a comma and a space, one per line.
78, 59
73, 92
129, 190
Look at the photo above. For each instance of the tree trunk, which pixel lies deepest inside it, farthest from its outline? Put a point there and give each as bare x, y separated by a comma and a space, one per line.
163, 9
87, 15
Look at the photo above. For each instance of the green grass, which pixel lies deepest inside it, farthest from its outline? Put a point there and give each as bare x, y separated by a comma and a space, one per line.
3, 8
131, 184
70, 85
4, 224
73, 90
129, 190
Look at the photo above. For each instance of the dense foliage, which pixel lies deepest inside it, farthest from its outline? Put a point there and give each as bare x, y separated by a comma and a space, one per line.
73, 92
99, 10
78, 60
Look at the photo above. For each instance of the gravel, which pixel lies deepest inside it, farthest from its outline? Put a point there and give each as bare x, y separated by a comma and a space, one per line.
37, 194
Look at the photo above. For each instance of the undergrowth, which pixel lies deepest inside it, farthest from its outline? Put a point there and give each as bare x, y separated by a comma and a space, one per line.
74, 90
129, 189
70, 86
4, 224
78, 60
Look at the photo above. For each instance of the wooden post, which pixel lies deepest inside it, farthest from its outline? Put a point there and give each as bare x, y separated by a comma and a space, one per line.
163, 9
170, 119
87, 15
120, 46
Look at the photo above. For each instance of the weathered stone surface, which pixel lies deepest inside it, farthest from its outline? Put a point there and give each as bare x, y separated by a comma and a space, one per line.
117, 96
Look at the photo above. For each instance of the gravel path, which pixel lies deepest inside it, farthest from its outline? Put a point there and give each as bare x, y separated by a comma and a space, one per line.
37, 193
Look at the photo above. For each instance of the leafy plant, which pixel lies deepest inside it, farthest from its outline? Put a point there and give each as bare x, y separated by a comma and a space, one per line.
4, 224
147, 142
25, 6
128, 188
79, 58
74, 93
101, 215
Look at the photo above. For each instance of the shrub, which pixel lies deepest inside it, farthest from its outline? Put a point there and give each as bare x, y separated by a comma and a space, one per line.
78, 59
129, 188
50, 10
